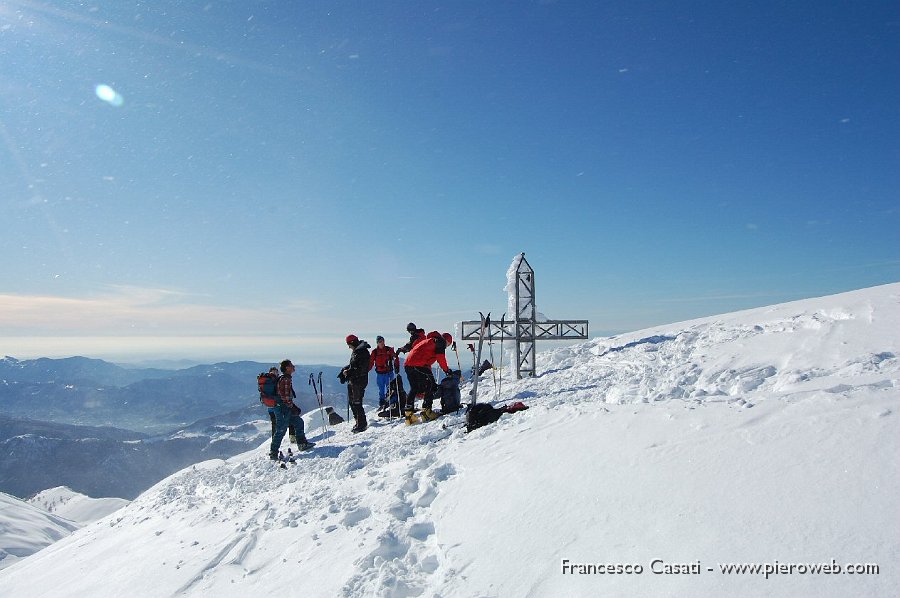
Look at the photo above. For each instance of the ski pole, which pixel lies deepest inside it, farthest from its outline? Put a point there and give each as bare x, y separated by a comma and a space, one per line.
320, 401
394, 363
458, 366
322, 396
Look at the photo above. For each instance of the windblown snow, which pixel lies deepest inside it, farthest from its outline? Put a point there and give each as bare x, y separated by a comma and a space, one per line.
646, 465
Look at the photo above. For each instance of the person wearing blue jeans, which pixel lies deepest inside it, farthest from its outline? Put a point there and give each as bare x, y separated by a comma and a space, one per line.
286, 413
386, 364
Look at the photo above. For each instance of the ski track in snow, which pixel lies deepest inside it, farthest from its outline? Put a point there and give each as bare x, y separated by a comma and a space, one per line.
372, 494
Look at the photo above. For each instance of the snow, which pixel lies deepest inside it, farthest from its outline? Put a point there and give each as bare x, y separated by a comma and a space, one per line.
764, 436
28, 526
25, 529
512, 281
74, 506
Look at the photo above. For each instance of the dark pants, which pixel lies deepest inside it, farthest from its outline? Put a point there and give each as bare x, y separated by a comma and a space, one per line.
421, 379
355, 393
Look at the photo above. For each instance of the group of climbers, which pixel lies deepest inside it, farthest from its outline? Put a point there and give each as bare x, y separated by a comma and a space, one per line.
422, 351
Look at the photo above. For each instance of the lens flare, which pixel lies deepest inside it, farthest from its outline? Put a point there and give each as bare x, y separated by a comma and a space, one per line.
109, 95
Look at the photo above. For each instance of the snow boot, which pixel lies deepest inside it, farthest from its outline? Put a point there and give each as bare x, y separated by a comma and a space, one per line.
293, 439
305, 446
429, 415
411, 417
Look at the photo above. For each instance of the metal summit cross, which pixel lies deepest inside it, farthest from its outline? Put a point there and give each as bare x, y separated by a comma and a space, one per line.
524, 328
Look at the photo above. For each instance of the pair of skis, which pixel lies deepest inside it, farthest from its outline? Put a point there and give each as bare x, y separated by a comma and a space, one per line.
320, 399
485, 328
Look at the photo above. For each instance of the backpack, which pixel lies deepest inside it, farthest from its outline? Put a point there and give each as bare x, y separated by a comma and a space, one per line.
448, 391
440, 345
481, 414
268, 389
396, 392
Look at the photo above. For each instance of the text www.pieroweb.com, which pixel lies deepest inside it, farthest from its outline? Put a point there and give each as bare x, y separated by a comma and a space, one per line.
767, 570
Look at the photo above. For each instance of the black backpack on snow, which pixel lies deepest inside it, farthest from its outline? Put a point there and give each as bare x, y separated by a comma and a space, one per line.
481, 414
448, 391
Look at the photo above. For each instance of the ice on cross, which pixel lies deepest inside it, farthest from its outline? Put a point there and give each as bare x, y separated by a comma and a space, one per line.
524, 324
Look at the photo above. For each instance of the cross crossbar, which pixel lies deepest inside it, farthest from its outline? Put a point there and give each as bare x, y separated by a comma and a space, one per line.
548, 330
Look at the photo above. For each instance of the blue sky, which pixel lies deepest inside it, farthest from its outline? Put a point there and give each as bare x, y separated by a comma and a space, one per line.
280, 174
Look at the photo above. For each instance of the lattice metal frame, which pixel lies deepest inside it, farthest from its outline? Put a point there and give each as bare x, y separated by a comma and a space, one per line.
524, 330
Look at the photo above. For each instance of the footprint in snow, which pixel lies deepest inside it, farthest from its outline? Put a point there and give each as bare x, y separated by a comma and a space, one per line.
355, 516
421, 531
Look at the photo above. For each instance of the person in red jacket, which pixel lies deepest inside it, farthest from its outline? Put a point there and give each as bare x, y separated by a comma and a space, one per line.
386, 364
418, 371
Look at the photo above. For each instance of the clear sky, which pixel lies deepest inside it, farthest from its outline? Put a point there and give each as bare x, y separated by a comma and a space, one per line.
253, 180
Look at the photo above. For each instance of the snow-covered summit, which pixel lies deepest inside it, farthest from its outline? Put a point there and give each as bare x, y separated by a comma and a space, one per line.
762, 438
830, 343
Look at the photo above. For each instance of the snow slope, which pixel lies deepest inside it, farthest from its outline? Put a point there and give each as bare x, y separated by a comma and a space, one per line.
29, 526
768, 436
75, 507
26, 529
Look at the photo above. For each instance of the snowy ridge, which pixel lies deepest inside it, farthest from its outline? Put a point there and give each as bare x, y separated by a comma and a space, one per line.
765, 435
74, 506
800, 347
26, 529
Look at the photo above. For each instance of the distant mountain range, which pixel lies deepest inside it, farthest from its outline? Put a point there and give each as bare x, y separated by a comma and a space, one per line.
109, 462
82, 391
108, 431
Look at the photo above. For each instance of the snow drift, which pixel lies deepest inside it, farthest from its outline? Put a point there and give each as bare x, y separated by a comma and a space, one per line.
647, 465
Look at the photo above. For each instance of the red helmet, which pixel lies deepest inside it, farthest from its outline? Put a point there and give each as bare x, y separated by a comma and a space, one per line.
352, 339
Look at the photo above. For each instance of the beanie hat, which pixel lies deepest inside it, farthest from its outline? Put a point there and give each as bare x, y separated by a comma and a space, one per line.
352, 339
411, 327
447, 338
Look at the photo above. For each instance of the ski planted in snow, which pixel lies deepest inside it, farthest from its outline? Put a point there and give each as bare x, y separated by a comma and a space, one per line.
485, 324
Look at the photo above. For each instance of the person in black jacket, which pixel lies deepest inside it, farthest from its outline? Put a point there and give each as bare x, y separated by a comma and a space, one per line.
356, 375
416, 334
